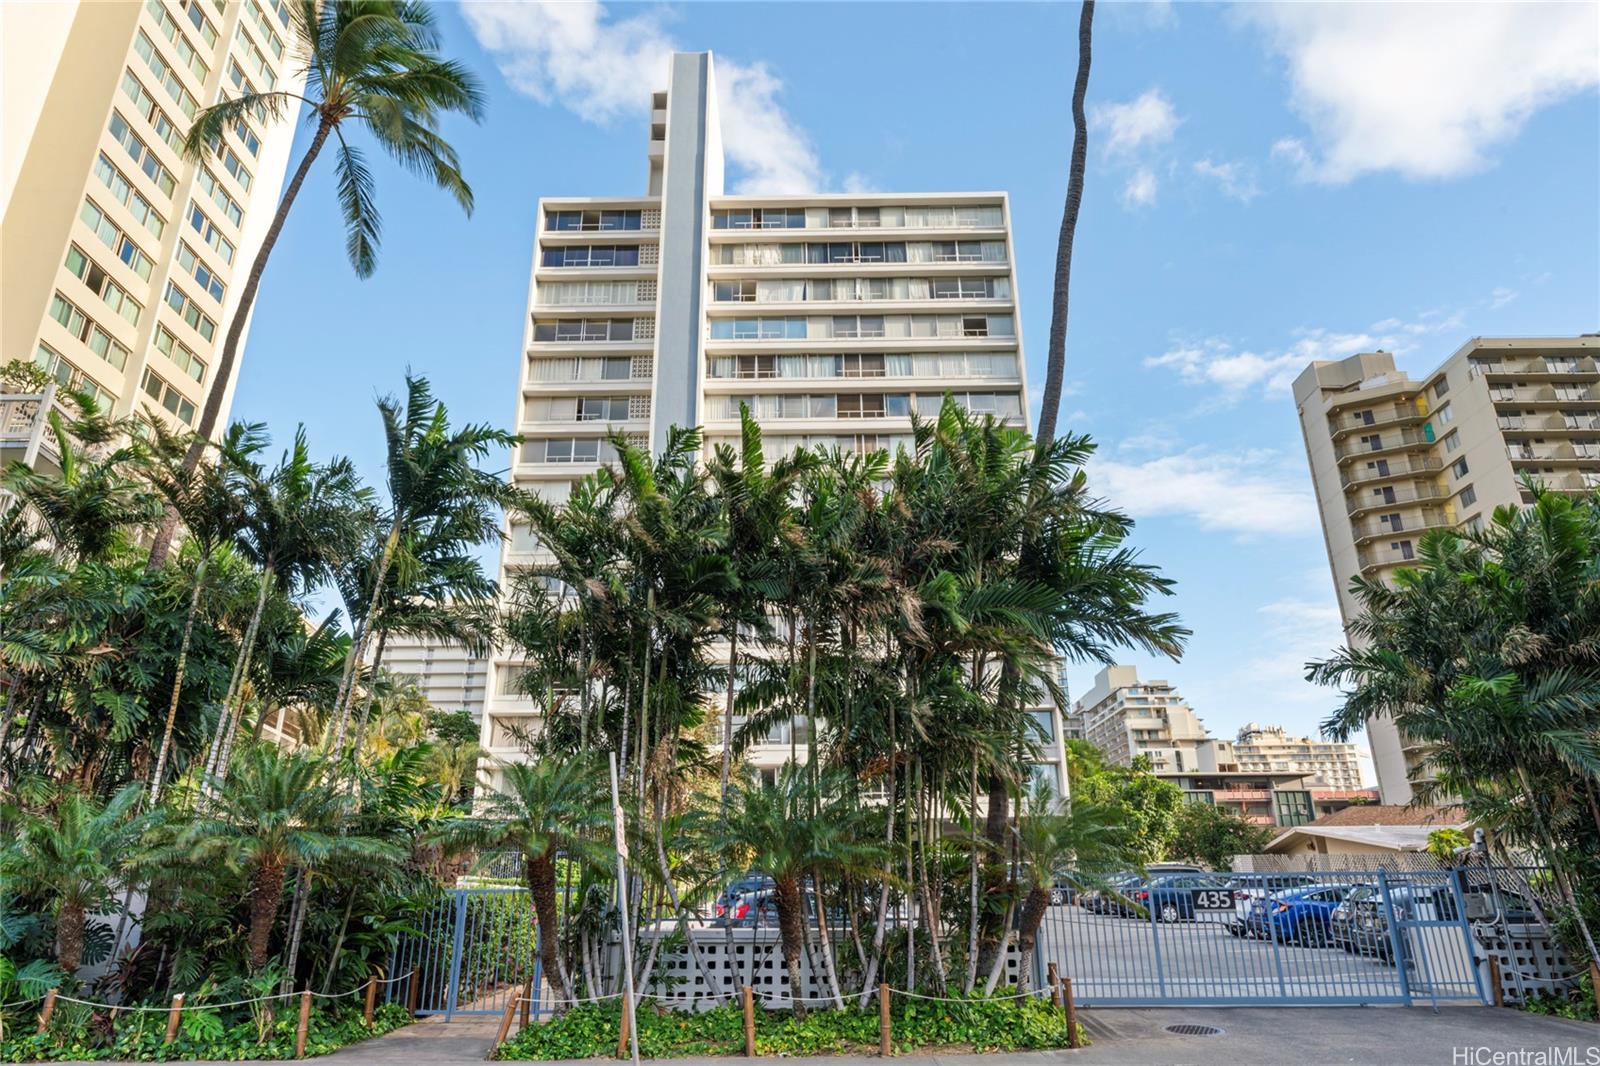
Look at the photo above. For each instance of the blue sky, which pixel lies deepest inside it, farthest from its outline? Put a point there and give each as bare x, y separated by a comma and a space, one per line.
1266, 185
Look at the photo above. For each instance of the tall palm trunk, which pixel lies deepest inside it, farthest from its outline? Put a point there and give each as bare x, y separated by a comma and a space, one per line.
222, 373
177, 678
972, 878
70, 923
266, 893
791, 930
541, 874
366, 703
1056, 360
297, 924
882, 918
228, 727
1033, 909
358, 650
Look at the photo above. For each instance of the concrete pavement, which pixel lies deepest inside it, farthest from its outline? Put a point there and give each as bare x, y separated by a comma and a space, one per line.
1251, 1036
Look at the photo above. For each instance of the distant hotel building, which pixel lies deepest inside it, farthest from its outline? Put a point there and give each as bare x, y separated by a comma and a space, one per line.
833, 317
1264, 776
122, 259
1392, 457
445, 674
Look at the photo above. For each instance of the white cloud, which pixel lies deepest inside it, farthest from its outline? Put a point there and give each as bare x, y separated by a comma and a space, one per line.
1501, 296
1234, 371
1260, 493
1427, 90
1235, 179
1140, 189
1148, 120
601, 67
1291, 633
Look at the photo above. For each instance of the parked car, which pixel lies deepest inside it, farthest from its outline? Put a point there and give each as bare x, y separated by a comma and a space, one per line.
1248, 888
1298, 916
1178, 897
751, 882
1114, 898
1063, 893
760, 910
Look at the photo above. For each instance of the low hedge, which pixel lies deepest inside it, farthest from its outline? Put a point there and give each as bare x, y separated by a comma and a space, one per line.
80, 1033
977, 1024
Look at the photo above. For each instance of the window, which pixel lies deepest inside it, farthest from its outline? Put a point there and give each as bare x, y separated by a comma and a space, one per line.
757, 366
281, 9
854, 326
169, 398
258, 19
1403, 548
565, 450
70, 377
247, 137
861, 366
602, 409
195, 268
584, 330
180, 355
88, 331
186, 51
1459, 467
870, 405
253, 59
957, 251
1452, 440
113, 237
579, 221
219, 196
145, 107
963, 288
210, 234
766, 329
626, 255
200, 322
1441, 387
141, 155
737, 291
760, 218
1468, 497
165, 75
856, 252
197, 19
124, 193
99, 282
234, 166
236, 76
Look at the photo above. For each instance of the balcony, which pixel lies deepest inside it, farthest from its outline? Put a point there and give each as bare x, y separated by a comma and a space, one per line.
1374, 558
1557, 453
25, 433
1559, 367
1390, 470
1387, 442
1397, 416
1552, 394
1373, 528
1393, 498
1572, 482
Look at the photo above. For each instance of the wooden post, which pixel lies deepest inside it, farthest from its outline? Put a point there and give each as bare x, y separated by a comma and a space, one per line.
885, 1044
1053, 979
1071, 1010
304, 1026
174, 1016
412, 988
527, 1000
749, 1022
622, 1031
1497, 992
372, 998
49, 1009
505, 1021
1594, 982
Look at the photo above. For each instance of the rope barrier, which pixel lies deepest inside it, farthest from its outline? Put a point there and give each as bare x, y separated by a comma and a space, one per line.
119, 1007
779, 997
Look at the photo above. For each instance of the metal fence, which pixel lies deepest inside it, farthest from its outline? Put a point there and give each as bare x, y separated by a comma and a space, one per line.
470, 953
1324, 937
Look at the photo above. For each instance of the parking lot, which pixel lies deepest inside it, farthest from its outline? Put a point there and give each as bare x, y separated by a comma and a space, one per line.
1132, 960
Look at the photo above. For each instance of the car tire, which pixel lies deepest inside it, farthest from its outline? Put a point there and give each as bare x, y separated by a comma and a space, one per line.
1056, 898
1169, 912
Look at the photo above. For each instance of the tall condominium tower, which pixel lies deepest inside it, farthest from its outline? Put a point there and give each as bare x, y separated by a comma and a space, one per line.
1392, 457
833, 317
122, 259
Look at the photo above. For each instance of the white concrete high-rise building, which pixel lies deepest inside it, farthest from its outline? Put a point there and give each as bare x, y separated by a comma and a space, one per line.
1394, 456
1126, 717
1270, 749
122, 259
833, 317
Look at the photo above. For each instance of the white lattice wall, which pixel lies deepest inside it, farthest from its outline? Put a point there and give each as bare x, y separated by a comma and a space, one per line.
1531, 963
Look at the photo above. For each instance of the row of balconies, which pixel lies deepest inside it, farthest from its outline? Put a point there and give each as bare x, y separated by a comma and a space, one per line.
1420, 492
1537, 423
1583, 394
1392, 440
1556, 366
1348, 424
1564, 451
1407, 523
1389, 469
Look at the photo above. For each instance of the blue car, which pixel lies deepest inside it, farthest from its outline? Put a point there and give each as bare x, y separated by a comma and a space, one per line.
1300, 916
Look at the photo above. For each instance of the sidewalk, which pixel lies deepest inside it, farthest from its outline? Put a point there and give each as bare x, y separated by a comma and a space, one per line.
1252, 1036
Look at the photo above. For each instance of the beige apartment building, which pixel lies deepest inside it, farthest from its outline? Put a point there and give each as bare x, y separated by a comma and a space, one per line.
122, 260
1270, 749
1394, 456
832, 317
1126, 717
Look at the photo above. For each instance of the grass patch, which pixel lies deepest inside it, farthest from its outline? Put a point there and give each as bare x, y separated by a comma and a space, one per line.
80, 1033
591, 1030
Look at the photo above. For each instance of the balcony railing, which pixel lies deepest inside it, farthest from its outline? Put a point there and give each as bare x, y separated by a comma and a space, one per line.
24, 424
1370, 558
1387, 418
1399, 497
1551, 452
1545, 394
1555, 366
1395, 468
1408, 523
1386, 442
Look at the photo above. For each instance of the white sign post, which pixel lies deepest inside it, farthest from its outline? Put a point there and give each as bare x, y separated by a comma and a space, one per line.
622, 907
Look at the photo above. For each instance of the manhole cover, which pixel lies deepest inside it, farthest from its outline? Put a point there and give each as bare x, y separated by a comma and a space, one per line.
1194, 1030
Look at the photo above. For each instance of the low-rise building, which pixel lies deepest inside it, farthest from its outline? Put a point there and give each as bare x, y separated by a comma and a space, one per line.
1374, 831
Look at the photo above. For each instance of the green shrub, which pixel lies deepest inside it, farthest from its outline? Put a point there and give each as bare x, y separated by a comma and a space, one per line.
92, 1035
978, 1024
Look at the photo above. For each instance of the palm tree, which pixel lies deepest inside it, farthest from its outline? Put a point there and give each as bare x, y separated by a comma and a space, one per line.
204, 499
368, 63
1056, 359
74, 855
1059, 840
541, 809
276, 811
438, 497
797, 827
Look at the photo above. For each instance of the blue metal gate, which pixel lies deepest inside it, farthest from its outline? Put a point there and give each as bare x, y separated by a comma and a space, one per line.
469, 954
1346, 937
